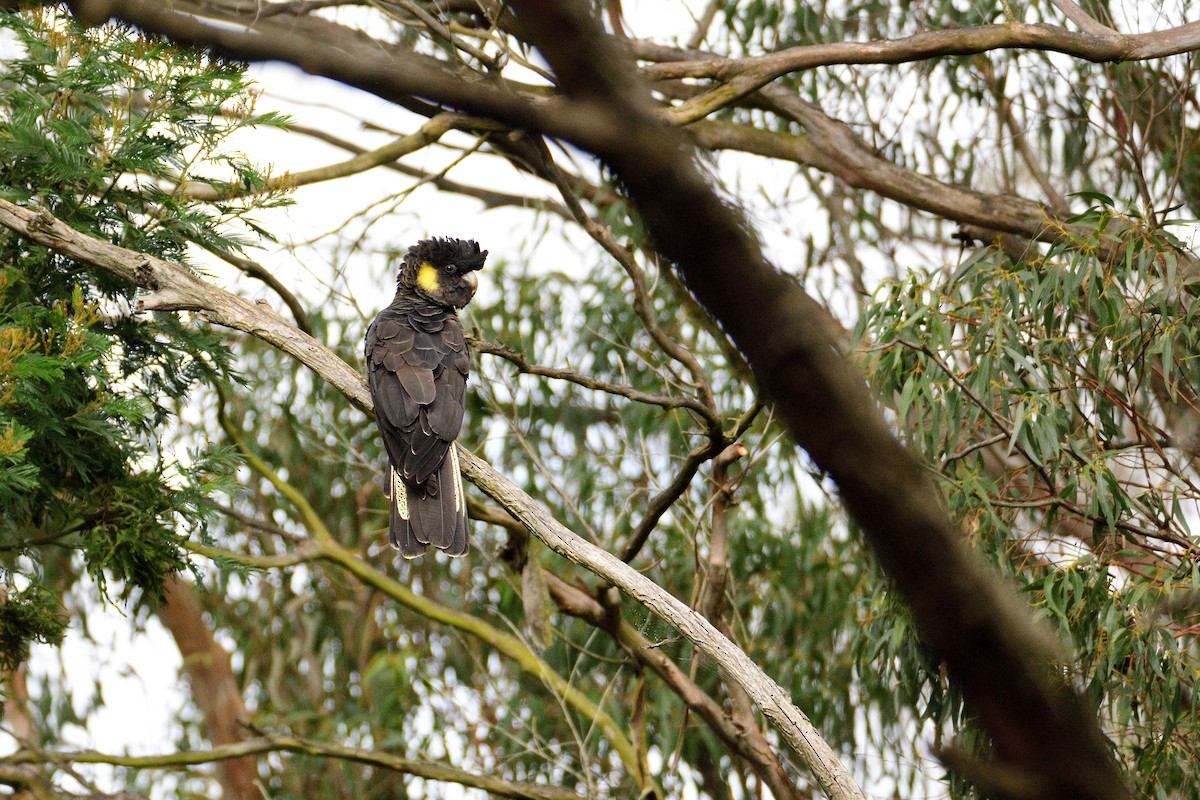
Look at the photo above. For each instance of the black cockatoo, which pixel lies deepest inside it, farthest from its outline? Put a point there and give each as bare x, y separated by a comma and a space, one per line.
417, 367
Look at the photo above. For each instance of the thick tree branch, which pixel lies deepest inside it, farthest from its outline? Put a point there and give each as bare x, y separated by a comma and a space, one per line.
1004, 663
173, 288
332, 51
830, 145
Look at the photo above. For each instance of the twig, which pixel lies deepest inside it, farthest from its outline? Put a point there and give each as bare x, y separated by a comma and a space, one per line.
642, 304
621, 390
666, 498
427, 134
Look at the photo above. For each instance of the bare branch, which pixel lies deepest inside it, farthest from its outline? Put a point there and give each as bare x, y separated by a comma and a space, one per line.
1086, 22
174, 288
427, 134
258, 271
400, 75
667, 497
744, 740
621, 390
641, 296
278, 743
489, 198
741, 76
774, 702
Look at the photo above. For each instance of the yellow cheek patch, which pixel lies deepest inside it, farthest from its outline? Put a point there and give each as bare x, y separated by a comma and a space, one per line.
427, 278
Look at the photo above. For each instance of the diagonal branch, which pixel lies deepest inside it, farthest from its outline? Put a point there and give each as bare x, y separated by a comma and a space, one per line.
747, 741
427, 134
327, 548
1003, 662
174, 287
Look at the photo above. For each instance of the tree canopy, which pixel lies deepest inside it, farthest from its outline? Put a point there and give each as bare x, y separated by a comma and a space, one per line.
849, 449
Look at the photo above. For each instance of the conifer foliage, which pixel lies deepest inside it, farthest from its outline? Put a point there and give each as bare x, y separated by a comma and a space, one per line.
96, 127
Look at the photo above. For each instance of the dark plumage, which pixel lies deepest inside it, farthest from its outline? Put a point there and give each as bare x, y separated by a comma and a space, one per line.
417, 367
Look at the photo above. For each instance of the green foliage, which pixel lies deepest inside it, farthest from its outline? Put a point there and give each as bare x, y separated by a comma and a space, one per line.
30, 615
1063, 364
96, 125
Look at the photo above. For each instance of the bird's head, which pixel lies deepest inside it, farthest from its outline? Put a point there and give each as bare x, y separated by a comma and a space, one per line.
442, 271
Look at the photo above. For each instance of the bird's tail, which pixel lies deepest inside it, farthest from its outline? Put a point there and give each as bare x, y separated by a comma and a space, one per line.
431, 514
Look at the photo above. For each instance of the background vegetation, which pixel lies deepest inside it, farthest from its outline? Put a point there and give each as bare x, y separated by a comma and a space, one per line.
992, 211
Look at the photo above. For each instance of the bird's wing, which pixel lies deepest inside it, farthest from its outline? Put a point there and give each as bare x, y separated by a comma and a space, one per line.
418, 381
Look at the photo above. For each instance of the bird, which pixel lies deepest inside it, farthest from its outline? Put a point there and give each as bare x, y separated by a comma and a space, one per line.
417, 367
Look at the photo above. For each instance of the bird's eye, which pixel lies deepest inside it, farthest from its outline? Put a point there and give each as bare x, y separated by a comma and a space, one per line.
451, 269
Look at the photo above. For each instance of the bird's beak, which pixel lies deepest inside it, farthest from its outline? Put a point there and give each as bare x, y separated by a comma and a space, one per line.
472, 280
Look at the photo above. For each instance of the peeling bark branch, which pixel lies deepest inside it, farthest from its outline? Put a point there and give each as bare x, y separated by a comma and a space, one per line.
173, 288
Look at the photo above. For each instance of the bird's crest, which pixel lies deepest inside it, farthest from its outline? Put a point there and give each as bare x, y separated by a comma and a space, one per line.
463, 253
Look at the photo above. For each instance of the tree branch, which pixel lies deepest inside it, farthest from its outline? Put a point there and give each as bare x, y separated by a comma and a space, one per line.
277, 743
620, 390
1004, 663
173, 288
401, 76
329, 549
742, 76
489, 198
745, 741
427, 134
